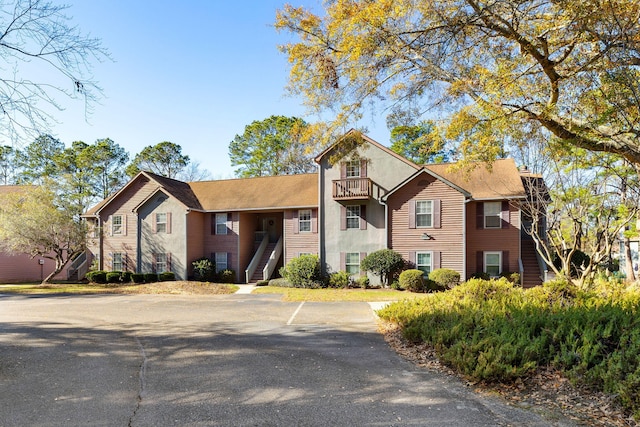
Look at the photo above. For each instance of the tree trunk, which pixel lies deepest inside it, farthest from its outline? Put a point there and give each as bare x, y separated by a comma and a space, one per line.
628, 266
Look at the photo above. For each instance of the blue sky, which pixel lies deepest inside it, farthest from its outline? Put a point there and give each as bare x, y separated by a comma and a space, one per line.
194, 73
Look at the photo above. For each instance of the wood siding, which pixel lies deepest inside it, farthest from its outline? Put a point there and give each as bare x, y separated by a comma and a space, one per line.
228, 243
22, 268
296, 242
195, 238
479, 239
445, 240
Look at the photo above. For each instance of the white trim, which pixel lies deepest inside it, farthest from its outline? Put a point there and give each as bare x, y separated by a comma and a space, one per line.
484, 261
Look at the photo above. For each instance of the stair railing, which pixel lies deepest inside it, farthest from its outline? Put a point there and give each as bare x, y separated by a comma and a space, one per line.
251, 268
79, 265
268, 269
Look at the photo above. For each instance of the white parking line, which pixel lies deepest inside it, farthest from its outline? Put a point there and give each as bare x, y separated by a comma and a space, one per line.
293, 316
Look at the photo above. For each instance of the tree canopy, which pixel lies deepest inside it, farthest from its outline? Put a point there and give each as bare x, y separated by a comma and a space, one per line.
164, 158
497, 71
274, 146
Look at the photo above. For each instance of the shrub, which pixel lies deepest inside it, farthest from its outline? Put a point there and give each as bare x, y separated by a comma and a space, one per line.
280, 282
113, 276
386, 263
204, 270
137, 277
445, 277
150, 277
304, 272
481, 276
511, 276
262, 283
98, 276
227, 276
412, 280
126, 277
167, 276
339, 279
363, 282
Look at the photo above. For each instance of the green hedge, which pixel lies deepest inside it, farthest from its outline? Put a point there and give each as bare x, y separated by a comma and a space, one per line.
491, 330
150, 277
114, 276
167, 276
137, 278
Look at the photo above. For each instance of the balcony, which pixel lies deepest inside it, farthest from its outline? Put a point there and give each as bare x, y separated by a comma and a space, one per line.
352, 189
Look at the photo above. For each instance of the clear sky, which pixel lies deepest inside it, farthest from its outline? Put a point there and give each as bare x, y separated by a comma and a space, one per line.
194, 73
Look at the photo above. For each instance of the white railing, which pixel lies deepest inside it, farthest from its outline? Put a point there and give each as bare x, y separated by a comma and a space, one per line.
521, 268
80, 265
251, 268
268, 269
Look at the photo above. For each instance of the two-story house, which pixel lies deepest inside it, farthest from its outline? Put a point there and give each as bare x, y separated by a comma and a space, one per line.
361, 200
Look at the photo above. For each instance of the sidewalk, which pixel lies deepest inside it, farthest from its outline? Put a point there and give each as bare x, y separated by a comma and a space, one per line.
245, 289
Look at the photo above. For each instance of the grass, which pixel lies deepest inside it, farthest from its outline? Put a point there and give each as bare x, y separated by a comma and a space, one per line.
331, 295
177, 287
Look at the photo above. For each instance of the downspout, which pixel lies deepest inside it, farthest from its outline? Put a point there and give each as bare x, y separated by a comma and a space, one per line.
186, 244
321, 225
100, 244
464, 239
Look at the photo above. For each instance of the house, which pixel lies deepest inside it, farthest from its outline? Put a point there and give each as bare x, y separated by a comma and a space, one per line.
362, 199
20, 268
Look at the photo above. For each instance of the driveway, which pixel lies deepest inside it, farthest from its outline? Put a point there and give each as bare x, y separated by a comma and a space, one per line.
229, 360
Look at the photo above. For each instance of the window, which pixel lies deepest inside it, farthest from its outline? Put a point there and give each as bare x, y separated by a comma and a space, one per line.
161, 264
117, 262
424, 213
304, 220
492, 215
117, 225
353, 169
424, 262
161, 223
221, 261
353, 216
352, 262
221, 223
493, 263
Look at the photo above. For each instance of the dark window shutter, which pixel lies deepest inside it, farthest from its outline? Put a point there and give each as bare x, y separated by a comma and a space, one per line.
504, 214
343, 261
437, 222
436, 259
296, 223
314, 220
169, 262
229, 266
505, 261
213, 224
363, 217
412, 214
479, 262
343, 170
479, 215
363, 168
412, 258
343, 217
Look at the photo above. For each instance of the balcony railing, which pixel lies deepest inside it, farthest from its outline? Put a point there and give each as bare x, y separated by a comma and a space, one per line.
352, 188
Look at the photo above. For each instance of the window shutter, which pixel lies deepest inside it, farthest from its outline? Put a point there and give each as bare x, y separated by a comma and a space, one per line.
363, 217
124, 224
436, 259
169, 224
124, 261
505, 261
314, 220
479, 262
412, 258
363, 168
168, 261
412, 214
229, 222
479, 215
504, 214
213, 224
343, 261
343, 217
111, 258
110, 225
154, 263
153, 222
296, 223
437, 223
362, 255
229, 266
343, 170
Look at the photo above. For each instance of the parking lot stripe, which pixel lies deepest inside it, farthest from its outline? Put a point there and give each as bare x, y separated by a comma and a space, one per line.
293, 316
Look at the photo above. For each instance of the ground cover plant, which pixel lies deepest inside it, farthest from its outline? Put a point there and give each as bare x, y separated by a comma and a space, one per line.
491, 330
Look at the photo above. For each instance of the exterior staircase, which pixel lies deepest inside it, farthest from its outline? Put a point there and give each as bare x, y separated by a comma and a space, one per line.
531, 276
257, 275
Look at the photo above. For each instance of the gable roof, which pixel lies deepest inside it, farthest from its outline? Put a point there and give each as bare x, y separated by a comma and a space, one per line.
260, 193
500, 181
424, 170
353, 132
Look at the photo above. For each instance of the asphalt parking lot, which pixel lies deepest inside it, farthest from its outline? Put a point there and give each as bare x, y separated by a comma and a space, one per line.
227, 360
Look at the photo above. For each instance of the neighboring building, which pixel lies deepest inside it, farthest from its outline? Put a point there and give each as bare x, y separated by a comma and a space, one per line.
358, 203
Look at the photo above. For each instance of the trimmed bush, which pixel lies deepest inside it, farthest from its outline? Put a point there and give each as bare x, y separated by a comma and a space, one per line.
227, 276
204, 270
262, 283
445, 277
280, 282
386, 263
167, 276
113, 276
98, 276
137, 277
412, 280
339, 279
362, 282
126, 277
150, 277
304, 272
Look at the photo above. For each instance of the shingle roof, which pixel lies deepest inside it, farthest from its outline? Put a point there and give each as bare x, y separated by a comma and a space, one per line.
500, 181
178, 189
268, 192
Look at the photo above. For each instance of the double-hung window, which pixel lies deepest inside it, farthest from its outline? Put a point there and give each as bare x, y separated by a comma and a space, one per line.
221, 223
352, 262
221, 261
117, 262
304, 220
353, 169
493, 263
353, 216
492, 215
117, 225
424, 262
161, 264
424, 213
161, 223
